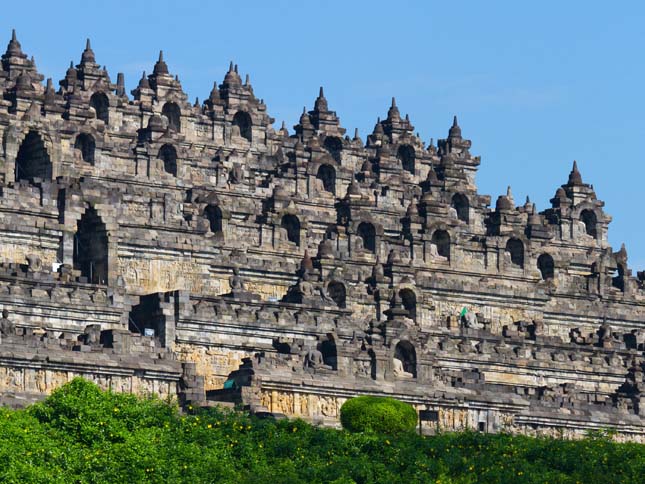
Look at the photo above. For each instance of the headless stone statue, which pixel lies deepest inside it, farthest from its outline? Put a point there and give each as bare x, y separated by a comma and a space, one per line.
34, 263
6, 325
398, 369
236, 175
605, 336
65, 273
325, 296
92, 335
434, 253
326, 249
314, 359
284, 235
470, 320
235, 281
305, 287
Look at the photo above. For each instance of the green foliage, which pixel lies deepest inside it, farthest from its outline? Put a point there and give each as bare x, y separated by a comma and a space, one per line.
383, 415
83, 435
90, 415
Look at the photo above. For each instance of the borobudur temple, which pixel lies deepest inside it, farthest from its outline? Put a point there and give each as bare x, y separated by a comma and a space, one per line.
191, 250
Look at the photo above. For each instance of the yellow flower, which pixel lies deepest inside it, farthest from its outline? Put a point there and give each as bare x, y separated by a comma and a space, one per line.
209, 426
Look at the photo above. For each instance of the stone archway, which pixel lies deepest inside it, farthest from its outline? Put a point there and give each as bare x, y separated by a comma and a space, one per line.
90, 254
173, 114
33, 161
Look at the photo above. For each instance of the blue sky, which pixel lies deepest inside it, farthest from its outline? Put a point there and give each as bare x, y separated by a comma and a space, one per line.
535, 84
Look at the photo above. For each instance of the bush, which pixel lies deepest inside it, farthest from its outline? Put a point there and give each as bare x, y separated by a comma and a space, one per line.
81, 434
377, 414
88, 414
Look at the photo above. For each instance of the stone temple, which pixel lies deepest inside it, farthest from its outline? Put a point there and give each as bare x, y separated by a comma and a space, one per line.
192, 250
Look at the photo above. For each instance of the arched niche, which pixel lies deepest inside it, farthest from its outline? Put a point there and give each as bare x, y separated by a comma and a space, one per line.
33, 160
85, 143
367, 233
515, 251
409, 301
101, 104
329, 352
337, 292
334, 146
90, 254
147, 318
462, 206
441, 240
546, 266
291, 225
243, 121
589, 219
406, 354
327, 175
168, 154
172, 112
406, 156
618, 281
214, 216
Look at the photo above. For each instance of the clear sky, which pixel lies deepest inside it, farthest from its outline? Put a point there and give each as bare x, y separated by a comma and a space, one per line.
535, 84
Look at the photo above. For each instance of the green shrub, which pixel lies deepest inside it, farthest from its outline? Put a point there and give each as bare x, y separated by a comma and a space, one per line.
82, 410
377, 414
81, 434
